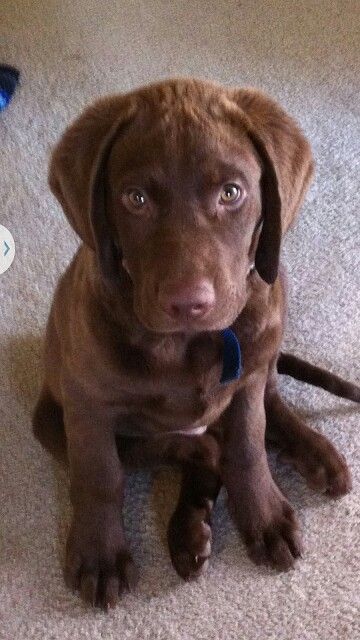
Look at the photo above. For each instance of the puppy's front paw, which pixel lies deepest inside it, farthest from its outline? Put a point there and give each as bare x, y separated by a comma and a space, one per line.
98, 563
189, 539
270, 529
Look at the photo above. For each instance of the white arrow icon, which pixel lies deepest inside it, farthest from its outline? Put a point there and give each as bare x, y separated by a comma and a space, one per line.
7, 249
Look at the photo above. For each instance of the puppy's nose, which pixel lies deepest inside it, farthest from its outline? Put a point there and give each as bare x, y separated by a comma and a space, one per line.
187, 301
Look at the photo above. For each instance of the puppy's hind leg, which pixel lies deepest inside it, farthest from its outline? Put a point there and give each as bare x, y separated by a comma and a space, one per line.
48, 426
312, 454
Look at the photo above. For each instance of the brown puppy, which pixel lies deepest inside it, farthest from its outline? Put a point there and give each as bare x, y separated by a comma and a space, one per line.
181, 193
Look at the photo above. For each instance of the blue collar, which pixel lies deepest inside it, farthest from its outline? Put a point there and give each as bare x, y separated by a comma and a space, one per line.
232, 366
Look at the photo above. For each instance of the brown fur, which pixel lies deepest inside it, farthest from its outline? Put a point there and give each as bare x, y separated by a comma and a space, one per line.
123, 376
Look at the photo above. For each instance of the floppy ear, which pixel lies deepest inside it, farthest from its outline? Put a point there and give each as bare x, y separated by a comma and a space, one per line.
268, 249
287, 169
77, 174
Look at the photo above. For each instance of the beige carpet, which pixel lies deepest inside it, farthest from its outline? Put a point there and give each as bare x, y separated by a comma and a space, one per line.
307, 55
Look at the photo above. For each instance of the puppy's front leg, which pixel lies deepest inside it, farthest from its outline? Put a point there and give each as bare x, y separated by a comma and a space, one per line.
263, 515
97, 560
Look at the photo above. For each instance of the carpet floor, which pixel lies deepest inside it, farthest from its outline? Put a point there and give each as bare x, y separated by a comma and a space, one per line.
305, 54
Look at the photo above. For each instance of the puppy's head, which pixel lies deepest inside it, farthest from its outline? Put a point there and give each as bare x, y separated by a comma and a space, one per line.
186, 185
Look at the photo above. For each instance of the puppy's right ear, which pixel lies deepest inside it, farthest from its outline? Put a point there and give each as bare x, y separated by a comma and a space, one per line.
78, 167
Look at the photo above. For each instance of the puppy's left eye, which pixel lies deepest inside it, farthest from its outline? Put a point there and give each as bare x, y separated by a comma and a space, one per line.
230, 194
135, 200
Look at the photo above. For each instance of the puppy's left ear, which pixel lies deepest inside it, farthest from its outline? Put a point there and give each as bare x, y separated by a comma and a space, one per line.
268, 249
286, 171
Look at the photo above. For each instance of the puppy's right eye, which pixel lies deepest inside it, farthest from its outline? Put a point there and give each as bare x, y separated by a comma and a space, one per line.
135, 199
230, 194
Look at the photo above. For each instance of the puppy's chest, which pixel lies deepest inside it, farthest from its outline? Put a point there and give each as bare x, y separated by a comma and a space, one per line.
183, 381
194, 365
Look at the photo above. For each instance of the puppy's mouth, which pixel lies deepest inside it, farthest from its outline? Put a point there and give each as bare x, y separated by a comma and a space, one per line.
160, 323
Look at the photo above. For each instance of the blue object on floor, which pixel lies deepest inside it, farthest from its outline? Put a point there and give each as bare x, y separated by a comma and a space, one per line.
9, 78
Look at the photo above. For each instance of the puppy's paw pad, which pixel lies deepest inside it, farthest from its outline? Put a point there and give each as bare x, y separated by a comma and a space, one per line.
189, 538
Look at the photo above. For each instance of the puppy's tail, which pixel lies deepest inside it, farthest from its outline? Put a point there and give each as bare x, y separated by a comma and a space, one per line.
301, 370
